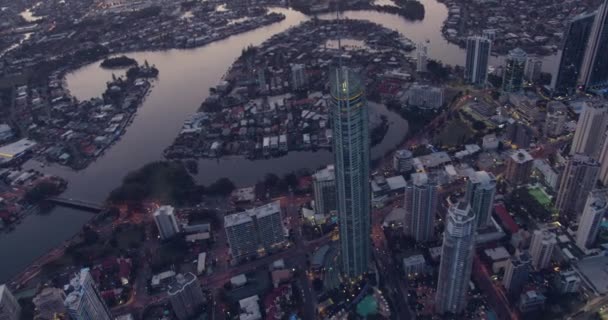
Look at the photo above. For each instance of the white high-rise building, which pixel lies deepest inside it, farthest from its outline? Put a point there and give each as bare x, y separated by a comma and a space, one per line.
478, 57
324, 189
589, 224
298, 76
588, 137
186, 295
165, 222
9, 306
603, 160
555, 122
456, 264
516, 274
534, 67
421, 57
541, 248
257, 231
420, 206
84, 302
481, 189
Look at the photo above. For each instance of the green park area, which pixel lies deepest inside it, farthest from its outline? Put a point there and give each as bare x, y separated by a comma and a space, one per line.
455, 133
540, 196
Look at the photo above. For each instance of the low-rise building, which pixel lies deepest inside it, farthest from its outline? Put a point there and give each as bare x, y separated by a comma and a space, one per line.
414, 265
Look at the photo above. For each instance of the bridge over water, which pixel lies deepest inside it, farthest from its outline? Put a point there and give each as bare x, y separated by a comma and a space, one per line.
75, 203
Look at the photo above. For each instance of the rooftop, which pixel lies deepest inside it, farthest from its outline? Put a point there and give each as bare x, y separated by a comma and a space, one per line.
16, 148
326, 174
521, 156
181, 281
497, 254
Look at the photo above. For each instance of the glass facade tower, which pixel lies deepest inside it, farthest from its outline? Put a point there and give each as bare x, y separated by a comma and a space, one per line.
350, 121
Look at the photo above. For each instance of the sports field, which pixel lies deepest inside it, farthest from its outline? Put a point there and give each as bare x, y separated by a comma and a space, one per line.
540, 196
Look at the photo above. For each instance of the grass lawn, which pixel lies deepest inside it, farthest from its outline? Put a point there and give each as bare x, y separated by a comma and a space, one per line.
453, 134
540, 196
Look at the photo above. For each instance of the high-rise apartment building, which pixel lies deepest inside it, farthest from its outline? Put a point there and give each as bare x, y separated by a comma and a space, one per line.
421, 57
515, 67
49, 302
594, 72
9, 306
578, 179
186, 296
298, 76
573, 53
478, 57
519, 167
403, 161
534, 68
324, 189
350, 124
603, 160
165, 220
481, 188
257, 231
83, 301
421, 199
516, 274
593, 213
541, 248
456, 264
590, 129
555, 121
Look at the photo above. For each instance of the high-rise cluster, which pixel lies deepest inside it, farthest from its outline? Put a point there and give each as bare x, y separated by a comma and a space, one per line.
584, 62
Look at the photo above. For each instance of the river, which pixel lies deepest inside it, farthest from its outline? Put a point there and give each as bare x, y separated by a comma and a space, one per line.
184, 80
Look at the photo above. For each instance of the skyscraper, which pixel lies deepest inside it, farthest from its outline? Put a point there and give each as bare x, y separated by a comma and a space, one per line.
534, 67
541, 248
84, 302
594, 73
298, 76
420, 205
481, 188
590, 128
578, 179
166, 222
516, 274
519, 166
350, 123
186, 295
478, 57
456, 259
241, 236
9, 306
573, 53
603, 160
555, 121
421, 57
593, 213
324, 189
515, 67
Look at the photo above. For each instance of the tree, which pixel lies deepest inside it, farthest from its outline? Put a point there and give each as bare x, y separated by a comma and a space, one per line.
222, 186
271, 180
42, 191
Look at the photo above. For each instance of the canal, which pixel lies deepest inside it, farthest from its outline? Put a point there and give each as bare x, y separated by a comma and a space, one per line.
184, 81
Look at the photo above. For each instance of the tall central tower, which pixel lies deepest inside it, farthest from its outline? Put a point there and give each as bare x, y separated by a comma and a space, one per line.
350, 122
